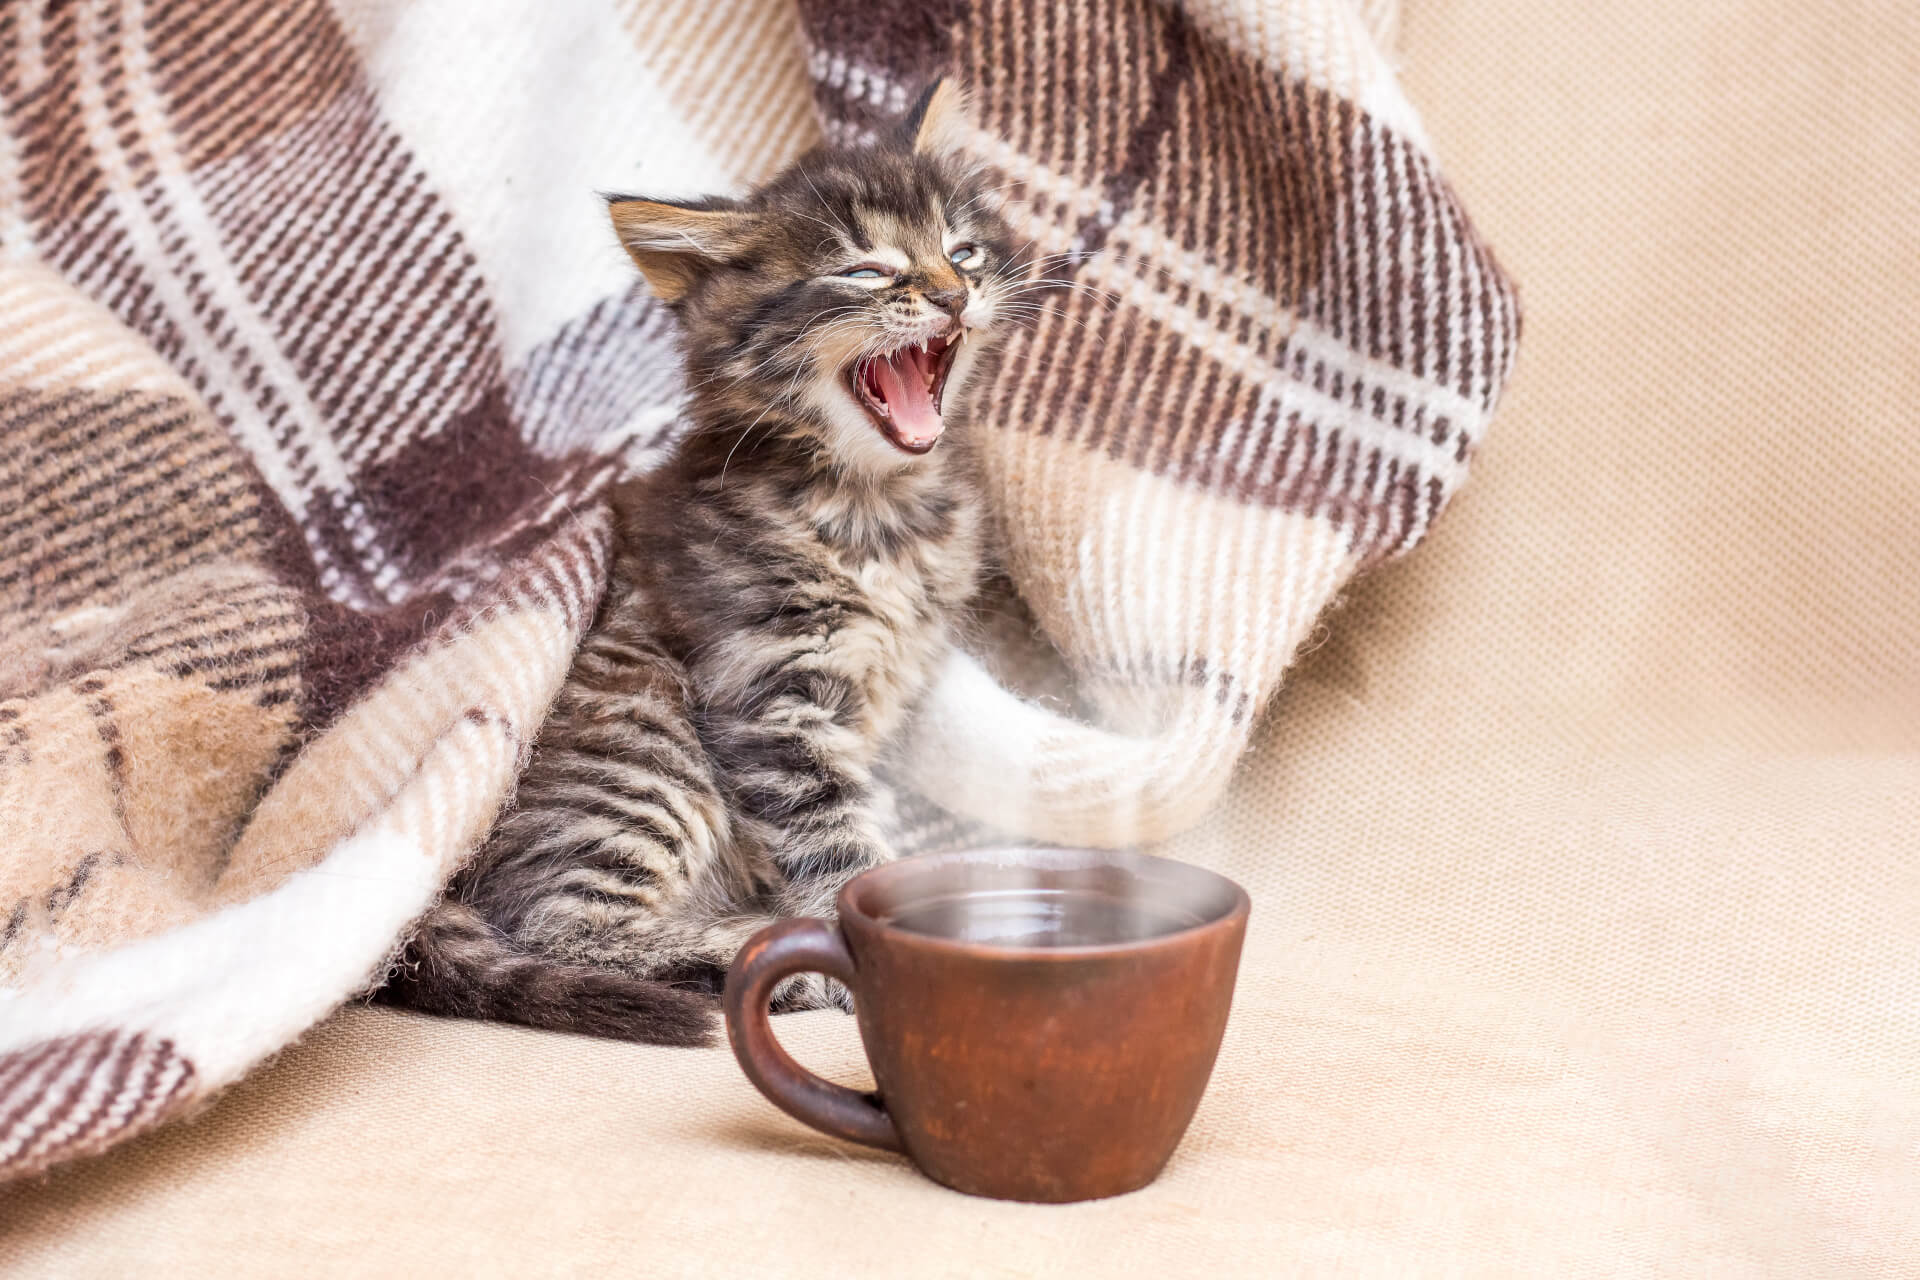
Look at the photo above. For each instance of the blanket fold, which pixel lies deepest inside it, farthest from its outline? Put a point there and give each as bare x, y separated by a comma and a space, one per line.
316, 359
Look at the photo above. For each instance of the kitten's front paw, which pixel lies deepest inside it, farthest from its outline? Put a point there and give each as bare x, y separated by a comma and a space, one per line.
811, 991
801, 991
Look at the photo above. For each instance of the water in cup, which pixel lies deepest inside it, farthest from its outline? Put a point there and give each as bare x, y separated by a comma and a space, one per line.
1041, 918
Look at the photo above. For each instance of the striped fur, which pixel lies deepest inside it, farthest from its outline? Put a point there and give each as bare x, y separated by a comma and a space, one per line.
781, 594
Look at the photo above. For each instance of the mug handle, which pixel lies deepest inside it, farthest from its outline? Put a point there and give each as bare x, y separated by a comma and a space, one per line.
779, 951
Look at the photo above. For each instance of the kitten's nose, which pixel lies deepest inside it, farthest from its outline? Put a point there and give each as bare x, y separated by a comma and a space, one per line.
951, 301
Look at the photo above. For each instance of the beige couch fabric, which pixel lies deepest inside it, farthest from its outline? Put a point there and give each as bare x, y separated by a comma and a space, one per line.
1585, 850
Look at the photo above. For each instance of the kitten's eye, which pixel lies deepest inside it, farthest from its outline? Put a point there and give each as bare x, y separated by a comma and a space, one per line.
863, 273
965, 255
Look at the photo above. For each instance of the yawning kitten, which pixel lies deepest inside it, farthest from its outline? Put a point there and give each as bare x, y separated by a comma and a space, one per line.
780, 593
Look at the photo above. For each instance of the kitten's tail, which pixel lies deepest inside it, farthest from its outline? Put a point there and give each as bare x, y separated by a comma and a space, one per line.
460, 966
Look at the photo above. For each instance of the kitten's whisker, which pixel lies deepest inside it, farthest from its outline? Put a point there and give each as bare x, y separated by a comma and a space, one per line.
761, 365
1107, 298
728, 461
786, 395
954, 216
1031, 319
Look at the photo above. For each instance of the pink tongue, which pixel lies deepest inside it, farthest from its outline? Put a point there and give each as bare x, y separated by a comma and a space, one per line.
902, 378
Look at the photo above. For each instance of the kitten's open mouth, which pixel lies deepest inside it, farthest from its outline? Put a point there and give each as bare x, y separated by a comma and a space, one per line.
901, 390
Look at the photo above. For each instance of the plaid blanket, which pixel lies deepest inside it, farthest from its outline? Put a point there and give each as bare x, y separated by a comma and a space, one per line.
316, 355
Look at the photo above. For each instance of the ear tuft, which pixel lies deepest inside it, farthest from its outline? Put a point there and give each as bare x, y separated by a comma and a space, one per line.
675, 244
937, 122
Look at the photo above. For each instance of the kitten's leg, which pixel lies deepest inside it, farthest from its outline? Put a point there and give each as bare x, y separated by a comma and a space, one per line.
584, 909
619, 839
794, 755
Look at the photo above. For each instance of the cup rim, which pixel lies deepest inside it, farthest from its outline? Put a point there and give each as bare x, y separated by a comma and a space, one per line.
847, 906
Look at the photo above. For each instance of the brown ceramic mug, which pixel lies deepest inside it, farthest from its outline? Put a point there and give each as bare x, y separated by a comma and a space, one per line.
1041, 1023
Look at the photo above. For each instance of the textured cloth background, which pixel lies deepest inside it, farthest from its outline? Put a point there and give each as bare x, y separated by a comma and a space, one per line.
317, 353
1582, 850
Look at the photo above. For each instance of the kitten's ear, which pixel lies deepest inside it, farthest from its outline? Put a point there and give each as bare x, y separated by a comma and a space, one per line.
937, 122
674, 244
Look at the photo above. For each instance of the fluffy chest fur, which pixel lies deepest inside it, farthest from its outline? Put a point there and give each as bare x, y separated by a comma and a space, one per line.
785, 579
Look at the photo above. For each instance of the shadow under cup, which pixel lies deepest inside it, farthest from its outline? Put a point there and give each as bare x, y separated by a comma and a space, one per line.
1041, 1023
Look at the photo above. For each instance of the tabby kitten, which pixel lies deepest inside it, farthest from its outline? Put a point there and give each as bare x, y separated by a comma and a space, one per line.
781, 591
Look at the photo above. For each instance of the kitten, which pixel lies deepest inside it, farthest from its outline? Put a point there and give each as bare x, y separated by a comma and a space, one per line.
781, 591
